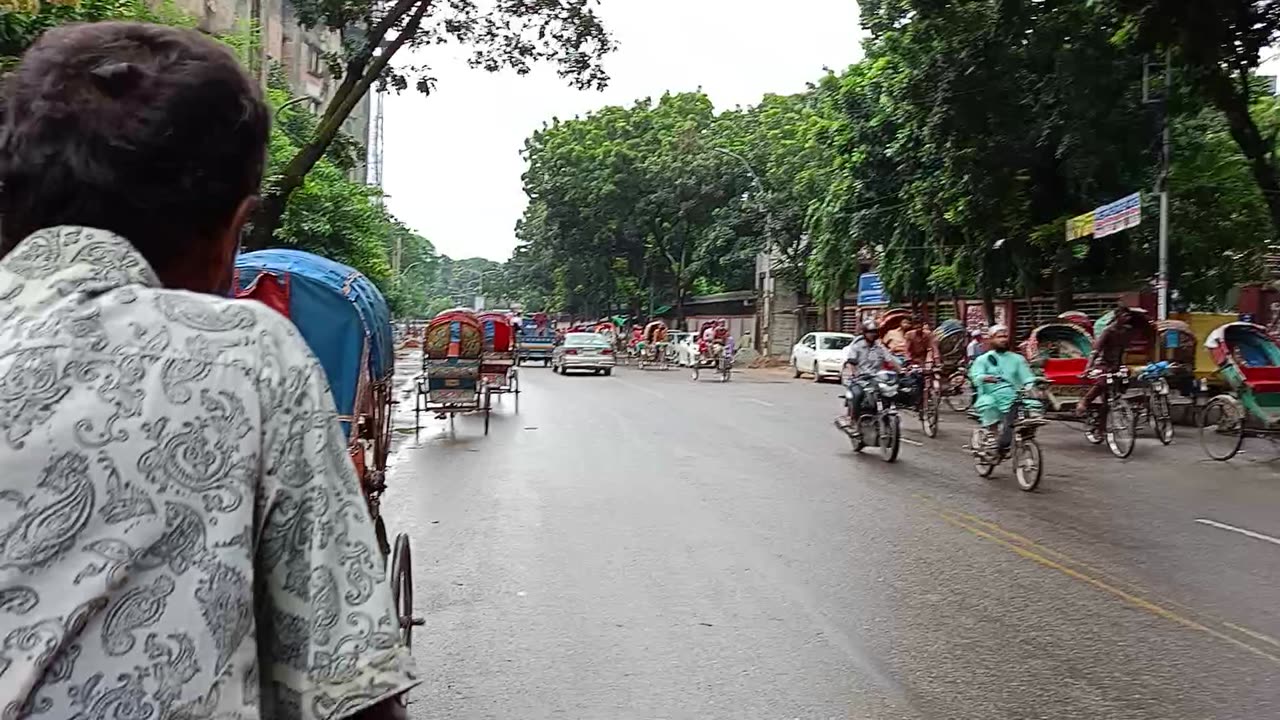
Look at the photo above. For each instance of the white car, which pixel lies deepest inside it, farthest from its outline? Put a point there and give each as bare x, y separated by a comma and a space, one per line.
820, 354
583, 351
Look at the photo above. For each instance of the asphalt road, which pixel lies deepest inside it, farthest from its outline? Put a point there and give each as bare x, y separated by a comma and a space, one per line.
643, 546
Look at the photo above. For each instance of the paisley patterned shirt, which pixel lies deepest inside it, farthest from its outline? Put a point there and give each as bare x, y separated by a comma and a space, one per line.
182, 534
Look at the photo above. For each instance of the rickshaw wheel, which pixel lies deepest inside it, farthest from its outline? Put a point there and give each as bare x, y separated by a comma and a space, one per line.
401, 578
1221, 428
1122, 432
515, 388
961, 395
487, 402
929, 409
380, 531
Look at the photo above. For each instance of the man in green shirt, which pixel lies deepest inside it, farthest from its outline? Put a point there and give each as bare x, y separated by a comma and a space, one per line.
997, 375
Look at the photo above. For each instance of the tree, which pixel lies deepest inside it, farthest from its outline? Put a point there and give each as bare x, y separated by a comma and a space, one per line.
23, 21
1218, 48
506, 34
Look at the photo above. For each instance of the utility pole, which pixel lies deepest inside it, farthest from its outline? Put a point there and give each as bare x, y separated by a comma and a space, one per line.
1162, 180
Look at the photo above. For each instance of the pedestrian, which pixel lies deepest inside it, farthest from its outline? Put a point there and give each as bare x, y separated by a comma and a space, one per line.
182, 530
975, 347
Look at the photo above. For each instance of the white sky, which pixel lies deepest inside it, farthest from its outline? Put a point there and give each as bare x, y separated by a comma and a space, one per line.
452, 162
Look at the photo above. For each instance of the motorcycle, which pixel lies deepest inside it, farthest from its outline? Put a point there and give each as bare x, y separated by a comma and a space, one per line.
877, 418
1028, 465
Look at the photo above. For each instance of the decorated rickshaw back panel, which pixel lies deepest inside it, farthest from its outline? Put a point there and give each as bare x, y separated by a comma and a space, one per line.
337, 310
453, 334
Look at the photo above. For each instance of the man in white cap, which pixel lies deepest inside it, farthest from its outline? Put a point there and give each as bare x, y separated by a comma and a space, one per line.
997, 375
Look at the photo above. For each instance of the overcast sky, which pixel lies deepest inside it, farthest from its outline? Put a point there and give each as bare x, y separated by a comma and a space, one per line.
452, 160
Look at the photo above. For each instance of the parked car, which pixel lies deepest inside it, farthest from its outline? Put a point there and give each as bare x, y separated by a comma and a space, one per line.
820, 354
584, 351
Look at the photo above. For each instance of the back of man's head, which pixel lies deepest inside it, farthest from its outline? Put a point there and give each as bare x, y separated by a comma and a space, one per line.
151, 132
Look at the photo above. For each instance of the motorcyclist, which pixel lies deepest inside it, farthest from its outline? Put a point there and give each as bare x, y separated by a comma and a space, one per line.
867, 356
997, 375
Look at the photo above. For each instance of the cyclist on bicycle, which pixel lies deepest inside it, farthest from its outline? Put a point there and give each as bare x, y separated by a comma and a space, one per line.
997, 375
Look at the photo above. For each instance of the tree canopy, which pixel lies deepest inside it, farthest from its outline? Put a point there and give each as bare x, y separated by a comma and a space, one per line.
949, 159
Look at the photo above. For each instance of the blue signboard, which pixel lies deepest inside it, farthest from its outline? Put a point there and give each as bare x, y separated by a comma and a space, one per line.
871, 290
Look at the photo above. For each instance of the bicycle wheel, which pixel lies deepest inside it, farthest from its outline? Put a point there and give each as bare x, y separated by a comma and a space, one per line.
1161, 419
960, 396
1027, 465
976, 441
1122, 433
1222, 428
929, 410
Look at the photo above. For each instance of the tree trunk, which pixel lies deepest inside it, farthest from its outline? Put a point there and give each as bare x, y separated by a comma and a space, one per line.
362, 71
989, 304
1063, 296
1233, 103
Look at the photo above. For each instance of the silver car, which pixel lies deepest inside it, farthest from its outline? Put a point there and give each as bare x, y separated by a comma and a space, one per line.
583, 351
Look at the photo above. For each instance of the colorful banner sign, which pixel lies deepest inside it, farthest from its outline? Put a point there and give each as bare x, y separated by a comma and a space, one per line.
1108, 219
1119, 215
1080, 226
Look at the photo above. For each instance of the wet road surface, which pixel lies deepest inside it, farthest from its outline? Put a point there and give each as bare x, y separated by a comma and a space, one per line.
644, 546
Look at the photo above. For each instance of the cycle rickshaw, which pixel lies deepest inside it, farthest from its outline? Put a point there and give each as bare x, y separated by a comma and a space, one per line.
452, 354
1249, 360
498, 373
1059, 351
347, 324
953, 378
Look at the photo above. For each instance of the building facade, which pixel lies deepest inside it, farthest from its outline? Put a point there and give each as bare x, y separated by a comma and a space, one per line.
299, 51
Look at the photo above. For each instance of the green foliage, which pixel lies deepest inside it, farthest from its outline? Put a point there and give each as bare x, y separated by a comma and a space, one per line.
23, 21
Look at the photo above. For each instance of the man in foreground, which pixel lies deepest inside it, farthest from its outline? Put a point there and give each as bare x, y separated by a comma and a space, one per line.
181, 531
997, 376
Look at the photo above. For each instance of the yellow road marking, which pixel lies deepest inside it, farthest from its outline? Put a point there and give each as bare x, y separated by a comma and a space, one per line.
1130, 598
1102, 573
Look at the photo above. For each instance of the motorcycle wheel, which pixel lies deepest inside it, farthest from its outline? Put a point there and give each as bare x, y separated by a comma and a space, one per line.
890, 437
975, 442
695, 370
929, 410
1122, 434
1162, 419
1027, 465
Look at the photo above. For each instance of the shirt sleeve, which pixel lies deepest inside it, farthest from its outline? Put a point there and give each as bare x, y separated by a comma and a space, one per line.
328, 637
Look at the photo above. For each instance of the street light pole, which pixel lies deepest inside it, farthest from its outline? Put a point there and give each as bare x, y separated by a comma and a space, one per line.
1162, 277
766, 287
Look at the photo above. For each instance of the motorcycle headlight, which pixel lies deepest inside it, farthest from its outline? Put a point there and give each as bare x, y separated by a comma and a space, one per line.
888, 390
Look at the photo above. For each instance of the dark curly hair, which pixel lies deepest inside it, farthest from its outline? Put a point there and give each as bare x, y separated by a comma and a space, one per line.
151, 132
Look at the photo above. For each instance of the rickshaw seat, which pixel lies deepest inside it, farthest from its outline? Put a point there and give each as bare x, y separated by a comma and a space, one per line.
1264, 379
1065, 371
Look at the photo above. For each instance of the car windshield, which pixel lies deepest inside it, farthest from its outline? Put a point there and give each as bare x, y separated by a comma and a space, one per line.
585, 340
835, 342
